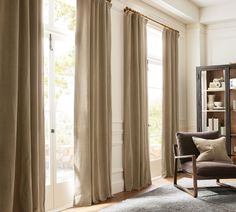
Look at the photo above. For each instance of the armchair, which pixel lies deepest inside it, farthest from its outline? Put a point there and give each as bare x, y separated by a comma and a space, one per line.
186, 151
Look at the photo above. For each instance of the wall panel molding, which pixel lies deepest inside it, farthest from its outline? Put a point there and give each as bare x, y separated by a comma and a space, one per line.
221, 41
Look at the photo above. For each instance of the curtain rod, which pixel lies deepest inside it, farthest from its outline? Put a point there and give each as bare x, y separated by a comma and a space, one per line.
148, 18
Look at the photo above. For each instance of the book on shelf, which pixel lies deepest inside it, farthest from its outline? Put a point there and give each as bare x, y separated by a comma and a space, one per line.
210, 124
222, 130
213, 124
216, 124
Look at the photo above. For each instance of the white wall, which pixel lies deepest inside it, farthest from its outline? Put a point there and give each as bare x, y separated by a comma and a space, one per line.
117, 98
196, 54
117, 79
221, 43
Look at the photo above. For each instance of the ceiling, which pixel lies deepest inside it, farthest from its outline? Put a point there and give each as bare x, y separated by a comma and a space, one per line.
208, 3
196, 11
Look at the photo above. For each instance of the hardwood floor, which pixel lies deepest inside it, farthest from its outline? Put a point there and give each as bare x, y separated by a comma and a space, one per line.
122, 196
125, 195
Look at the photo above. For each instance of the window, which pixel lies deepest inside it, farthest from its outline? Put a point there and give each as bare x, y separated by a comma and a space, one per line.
59, 53
154, 44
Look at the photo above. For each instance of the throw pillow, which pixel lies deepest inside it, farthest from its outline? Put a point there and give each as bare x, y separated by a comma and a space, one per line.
212, 149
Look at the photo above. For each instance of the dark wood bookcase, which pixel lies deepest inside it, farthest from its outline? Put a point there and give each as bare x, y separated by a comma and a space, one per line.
216, 102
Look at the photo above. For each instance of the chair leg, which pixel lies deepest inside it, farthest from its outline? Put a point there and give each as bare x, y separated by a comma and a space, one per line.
224, 184
195, 189
175, 171
194, 193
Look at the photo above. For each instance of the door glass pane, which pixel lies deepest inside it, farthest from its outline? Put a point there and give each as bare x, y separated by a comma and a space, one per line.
213, 101
46, 110
64, 14
233, 111
155, 109
64, 101
154, 43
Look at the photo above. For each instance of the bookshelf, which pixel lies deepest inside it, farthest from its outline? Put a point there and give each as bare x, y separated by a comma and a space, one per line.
216, 102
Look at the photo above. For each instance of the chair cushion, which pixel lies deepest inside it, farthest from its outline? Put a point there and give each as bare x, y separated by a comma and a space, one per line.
212, 169
212, 149
186, 145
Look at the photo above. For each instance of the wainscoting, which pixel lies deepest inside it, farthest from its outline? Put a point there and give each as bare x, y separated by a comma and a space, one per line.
117, 166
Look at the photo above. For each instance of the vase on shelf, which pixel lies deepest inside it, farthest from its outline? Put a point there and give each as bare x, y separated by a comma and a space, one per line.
210, 103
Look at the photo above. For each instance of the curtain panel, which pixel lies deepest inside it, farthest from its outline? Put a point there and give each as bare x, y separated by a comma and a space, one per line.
170, 110
92, 103
136, 147
22, 178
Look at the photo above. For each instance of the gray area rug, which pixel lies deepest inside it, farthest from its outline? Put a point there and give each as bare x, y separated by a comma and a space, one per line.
168, 198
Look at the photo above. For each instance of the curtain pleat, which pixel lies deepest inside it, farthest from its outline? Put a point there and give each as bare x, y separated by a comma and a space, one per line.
136, 147
170, 114
92, 103
22, 178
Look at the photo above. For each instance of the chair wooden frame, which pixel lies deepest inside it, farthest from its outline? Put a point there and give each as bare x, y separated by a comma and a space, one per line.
194, 175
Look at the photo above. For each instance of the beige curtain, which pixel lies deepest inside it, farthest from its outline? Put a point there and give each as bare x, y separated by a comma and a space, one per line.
21, 107
136, 148
93, 102
170, 99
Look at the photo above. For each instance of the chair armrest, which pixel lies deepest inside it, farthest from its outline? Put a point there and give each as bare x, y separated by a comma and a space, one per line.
193, 157
193, 160
186, 156
176, 156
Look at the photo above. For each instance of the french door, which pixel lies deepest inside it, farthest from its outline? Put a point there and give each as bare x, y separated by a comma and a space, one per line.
59, 95
59, 28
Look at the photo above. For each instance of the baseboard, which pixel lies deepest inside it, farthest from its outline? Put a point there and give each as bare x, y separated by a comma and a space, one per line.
61, 208
117, 187
156, 178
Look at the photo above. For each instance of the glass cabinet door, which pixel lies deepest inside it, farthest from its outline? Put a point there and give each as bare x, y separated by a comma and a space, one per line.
233, 110
213, 101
